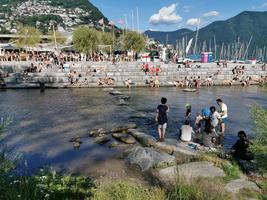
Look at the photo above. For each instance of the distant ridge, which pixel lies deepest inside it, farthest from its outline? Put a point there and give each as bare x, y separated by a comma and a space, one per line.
242, 26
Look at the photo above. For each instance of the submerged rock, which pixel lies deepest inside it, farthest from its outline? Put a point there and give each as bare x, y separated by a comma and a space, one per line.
114, 144
125, 138
144, 139
108, 89
102, 140
122, 102
123, 128
139, 115
236, 185
147, 158
124, 97
75, 139
115, 92
77, 145
202, 169
98, 132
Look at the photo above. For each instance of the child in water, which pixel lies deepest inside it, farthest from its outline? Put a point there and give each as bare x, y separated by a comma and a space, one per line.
188, 112
198, 127
162, 118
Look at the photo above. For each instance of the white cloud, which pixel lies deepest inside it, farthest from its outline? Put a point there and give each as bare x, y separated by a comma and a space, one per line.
211, 14
166, 15
193, 22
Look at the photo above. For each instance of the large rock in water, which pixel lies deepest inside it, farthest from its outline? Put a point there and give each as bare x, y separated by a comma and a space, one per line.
144, 139
125, 138
102, 140
236, 185
98, 132
189, 170
124, 127
147, 158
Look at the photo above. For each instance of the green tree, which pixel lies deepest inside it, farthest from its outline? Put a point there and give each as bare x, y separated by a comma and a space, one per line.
85, 40
134, 41
56, 37
28, 37
107, 40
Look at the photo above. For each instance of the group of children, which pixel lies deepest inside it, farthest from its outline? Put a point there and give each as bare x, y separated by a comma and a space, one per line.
207, 127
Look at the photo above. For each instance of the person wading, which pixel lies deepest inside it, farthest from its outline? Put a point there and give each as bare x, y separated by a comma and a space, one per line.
162, 119
224, 115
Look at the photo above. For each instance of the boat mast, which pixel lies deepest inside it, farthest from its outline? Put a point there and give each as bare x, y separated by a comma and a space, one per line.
196, 36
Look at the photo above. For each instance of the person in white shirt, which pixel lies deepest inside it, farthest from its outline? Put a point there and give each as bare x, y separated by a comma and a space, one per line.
215, 117
186, 132
224, 115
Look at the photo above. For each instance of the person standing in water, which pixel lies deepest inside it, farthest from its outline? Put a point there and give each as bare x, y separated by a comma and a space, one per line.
188, 112
224, 115
162, 118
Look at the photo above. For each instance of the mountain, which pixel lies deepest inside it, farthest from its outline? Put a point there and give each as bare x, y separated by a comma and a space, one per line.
170, 36
242, 26
47, 13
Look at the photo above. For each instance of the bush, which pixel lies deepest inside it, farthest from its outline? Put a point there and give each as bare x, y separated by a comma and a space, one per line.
259, 148
45, 185
259, 116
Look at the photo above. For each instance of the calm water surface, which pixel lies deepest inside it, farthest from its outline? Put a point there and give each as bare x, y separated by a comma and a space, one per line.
44, 122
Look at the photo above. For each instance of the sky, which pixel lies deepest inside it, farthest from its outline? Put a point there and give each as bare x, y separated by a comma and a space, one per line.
170, 15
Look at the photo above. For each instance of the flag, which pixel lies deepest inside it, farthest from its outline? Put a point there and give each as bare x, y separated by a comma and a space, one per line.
111, 23
101, 21
121, 22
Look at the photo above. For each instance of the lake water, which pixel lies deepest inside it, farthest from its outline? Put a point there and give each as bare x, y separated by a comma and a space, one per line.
42, 123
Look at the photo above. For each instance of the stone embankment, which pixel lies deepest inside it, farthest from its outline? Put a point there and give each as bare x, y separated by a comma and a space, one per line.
91, 72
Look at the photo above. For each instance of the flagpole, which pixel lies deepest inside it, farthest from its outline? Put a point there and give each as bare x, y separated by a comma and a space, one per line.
137, 14
126, 23
132, 20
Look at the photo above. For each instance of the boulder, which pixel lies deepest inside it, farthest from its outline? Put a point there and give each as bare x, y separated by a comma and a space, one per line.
147, 158
98, 132
191, 170
123, 128
125, 138
102, 140
236, 185
144, 139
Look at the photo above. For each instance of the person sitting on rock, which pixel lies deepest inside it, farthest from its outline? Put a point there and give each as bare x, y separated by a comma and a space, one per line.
186, 132
240, 149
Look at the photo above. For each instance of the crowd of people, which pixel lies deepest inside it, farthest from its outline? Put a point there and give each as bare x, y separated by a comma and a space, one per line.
208, 129
151, 74
58, 57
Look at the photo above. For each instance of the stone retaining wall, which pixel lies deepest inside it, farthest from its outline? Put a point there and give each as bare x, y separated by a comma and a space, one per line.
54, 77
